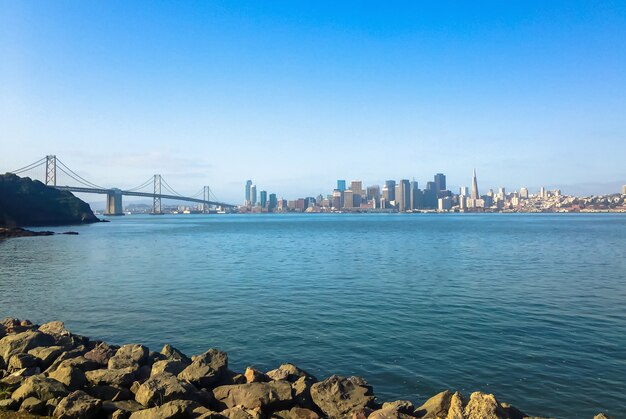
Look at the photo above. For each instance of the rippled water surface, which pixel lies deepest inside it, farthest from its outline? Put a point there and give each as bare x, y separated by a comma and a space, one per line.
529, 307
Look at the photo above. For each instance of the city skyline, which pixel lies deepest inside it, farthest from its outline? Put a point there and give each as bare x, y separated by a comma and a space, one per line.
299, 95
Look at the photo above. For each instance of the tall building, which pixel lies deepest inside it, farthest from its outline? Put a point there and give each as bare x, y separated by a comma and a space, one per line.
523, 193
248, 184
502, 192
341, 185
348, 199
542, 192
263, 198
391, 190
373, 192
624, 190
336, 202
464, 191
357, 188
403, 195
253, 195
440, 182
416, 196
474, 194
273, 202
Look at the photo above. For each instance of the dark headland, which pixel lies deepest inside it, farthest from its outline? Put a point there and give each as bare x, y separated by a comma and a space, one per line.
29, 203
47, 370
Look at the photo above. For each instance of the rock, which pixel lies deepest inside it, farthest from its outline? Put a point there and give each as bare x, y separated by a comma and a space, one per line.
72, 353
601, 416
361, 413
21, 361
17, 378
255, 376
337, 396
128, 406
289, 372
389, 413
295, 413
134, 387
402, 406
101, 353
169, 410
33, 405
206, 369
238, 412
8, 404
120, 414
122, 377
266, 396
79, 362
169, 366
72, 378
435, 407
41, 387
129, 356
301, 390
456, 406
229, 377
112, 393
46, 355
55, 328
483, 406
78, 405
162, 388
511, 412
23, 342
174, 354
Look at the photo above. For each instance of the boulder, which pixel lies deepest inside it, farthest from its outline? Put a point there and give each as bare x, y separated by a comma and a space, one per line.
162, 388
389, 413
456, 406
403, 406
206, 369
72, 353
17, 378
511, 412
101, 353
295, 413
174, 354
601, 416
33, 405
123, 377
8, 404
41, 387
55, 328
289, 372
239, 412
78, 405
301, 390
169, 410
21, 361
483, 406
112, 393
132, 355
169, 366
338, 396
275, 395
79, 362
255, 376
128, 406
435, 407
23, 342
72, 378
46, 355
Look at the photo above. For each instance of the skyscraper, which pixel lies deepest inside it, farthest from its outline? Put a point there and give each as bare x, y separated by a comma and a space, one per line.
252, 195
273, 202
341, 185
464, 191
440, 182
348, 199
248, 184
391, 190
263, 198
357, 187
406, 194
474, 194
416, 196
523, 192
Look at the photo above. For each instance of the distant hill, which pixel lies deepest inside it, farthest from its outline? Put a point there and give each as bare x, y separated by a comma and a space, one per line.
26, 202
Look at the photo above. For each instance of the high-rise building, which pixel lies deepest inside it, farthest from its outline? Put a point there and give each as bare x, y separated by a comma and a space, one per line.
624, 190
464, 191
348, 199
542, 192
373, 192
341, 185
253, 195
403, 195
440, 182
523, 193
273, 202
357, 187
385, 194
391, 189
248, 184
263, 195
444, 204
416, 196
474, 194
502, 192
336, 199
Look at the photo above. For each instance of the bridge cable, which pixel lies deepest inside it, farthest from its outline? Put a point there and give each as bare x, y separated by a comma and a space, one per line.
29, 167
84, 181
169, 188
143, 185
77, 179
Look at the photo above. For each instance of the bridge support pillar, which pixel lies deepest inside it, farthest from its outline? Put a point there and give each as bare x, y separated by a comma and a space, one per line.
114, 203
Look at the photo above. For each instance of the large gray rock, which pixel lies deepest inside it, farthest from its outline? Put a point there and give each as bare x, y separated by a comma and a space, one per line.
129, 356
435, 407
206, 369
389, 413
174, 354
21, 361
295, 413
239, 412
41, 387
170, 410
122, 377
65, 355
23, 342
456, 406
113, 393
338, 396
483, 406
55, 328
79, 362
301, 390
275, 395
403, 406
170, 366
162, 388
78, 405
290, 373
9, 404
17, 378
101, 353
33, 405
72, 378
128, 406
46, 355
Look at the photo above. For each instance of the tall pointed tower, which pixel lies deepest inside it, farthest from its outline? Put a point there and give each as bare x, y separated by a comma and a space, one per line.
474, 194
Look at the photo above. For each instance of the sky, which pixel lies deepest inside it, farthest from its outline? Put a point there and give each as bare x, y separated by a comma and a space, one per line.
297, 94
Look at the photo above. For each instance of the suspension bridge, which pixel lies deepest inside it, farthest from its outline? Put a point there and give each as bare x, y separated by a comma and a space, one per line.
153, 188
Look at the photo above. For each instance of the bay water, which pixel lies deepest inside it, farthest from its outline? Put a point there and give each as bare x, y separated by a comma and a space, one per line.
530, 307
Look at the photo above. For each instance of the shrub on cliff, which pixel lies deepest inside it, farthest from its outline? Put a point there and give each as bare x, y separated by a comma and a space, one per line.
26, 202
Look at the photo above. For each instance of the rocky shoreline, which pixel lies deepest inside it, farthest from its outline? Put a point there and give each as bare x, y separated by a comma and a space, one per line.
47, 370
9, 233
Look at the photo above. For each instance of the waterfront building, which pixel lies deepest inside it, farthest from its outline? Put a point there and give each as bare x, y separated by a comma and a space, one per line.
523, 193
406, 194
252, 195
341, 185
385, 197
263, 198
416, 196
272, 204
337, 199
445, 204
474, 194
348, 199
357, 187
464, 191
624, 190
502, 192
373, 193
391, 188
440, 182
462, 202
542, 193
248, 185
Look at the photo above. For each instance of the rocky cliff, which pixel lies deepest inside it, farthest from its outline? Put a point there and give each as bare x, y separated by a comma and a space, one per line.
47, 370
26, 202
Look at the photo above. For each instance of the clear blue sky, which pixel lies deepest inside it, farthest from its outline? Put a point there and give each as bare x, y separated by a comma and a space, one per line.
296, 94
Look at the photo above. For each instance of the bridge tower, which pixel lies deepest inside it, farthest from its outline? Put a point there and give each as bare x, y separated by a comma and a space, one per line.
51, 170
114, 202
156, 201
205, 197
